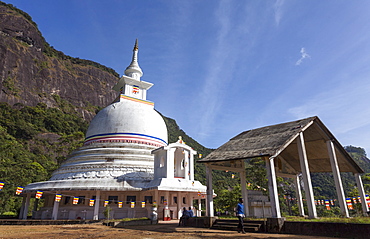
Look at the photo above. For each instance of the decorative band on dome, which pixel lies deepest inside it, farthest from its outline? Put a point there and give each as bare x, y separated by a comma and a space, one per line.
136, 100
126, 138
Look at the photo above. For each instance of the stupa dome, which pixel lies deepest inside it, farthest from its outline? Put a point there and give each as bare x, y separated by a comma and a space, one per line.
128, 120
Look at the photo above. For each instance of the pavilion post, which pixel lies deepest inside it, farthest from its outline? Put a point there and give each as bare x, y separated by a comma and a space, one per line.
96, 206
244, 190
210, 212
337, 178
299, 195
54, 215
26, 205
274, 199
361, 190
306, 176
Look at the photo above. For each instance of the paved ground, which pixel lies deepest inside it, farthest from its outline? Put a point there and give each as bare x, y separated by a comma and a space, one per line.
162, 230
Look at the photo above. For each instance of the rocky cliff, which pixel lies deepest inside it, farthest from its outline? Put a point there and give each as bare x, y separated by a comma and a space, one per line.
31, 71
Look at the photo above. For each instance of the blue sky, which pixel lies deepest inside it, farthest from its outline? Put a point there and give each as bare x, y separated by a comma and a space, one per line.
223, 67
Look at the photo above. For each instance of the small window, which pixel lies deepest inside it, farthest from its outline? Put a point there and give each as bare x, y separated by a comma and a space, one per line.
113, 199
148, 199
66, 199
162, 199
184, 200
130, 199
161, 162
81, 199
175, 200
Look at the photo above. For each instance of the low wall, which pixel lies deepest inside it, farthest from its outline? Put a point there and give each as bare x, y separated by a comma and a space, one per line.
351, 230
205, 222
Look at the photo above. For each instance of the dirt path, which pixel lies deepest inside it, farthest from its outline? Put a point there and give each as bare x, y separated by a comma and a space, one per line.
161, 230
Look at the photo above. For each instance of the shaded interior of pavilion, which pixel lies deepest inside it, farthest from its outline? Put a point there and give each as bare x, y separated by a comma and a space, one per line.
290, 150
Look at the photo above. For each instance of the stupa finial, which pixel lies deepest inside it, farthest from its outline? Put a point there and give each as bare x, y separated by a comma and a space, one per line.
134, 70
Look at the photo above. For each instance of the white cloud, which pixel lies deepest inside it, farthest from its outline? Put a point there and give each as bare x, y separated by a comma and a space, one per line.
278, 11
304, 55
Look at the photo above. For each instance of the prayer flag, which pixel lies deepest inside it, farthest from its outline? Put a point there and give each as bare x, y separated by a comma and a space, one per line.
75, 200
119, 204
359, 199
58, 197
200, 156
91, 202
327, 204
232, 175
143, 204
332, 202
354, 200
135, 89
315, 202
349, 203
19, 190
1, 185
39, 194
106, 203
132, 204
367, 200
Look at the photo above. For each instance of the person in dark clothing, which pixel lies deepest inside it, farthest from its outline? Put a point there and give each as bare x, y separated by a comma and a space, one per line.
184, 217
240, 215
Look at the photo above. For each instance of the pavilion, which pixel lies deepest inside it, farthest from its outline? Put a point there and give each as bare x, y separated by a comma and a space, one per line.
290, 150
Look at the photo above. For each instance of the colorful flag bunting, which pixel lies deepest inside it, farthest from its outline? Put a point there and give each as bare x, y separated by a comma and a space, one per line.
132, 204
58, 197
327, 204
91, 202
359, 199
39, 194
1, 185
232, 176
19, 190
315, 202
332, 202
143, 204
106, 203
119, 204
75, 200
354, 200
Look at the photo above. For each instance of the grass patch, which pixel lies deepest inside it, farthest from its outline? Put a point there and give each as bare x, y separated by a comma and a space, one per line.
362, 220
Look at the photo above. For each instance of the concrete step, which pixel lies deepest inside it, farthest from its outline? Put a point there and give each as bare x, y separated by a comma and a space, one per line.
249, 226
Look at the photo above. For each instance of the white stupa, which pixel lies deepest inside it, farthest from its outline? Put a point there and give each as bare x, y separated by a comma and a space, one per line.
115, 167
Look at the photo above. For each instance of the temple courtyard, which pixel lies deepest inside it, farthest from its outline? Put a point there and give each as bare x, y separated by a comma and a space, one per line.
97, 230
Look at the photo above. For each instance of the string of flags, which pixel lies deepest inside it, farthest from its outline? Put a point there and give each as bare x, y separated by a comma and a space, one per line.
76, 200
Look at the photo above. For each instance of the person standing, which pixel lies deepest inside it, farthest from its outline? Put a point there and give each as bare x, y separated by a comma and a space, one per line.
240, 215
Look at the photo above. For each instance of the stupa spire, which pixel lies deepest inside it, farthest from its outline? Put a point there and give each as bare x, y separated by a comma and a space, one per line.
134, 70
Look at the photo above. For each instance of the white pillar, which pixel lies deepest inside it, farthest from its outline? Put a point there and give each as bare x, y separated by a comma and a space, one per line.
179, 204
54, 215
361, 190
199, 212
96, 206
170, 163
187, 166
191, 165
243, 183
274, 199
26, 205
337, 179
210, 212
299, 195
306, 176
